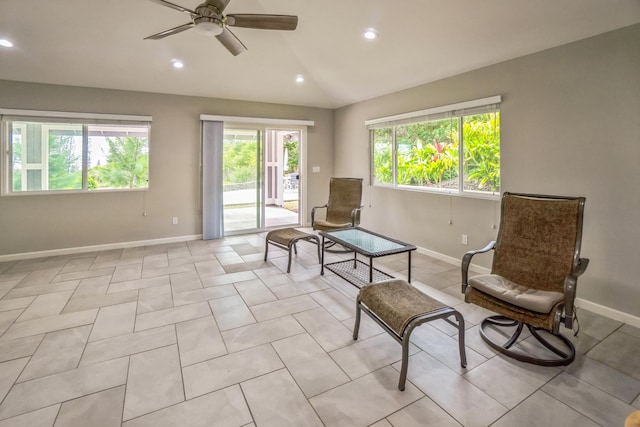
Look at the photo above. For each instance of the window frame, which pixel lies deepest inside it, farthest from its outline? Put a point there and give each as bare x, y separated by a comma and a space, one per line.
457, 111
49, 119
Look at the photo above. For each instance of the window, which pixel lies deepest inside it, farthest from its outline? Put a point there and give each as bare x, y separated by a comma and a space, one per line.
452, 149
46, 154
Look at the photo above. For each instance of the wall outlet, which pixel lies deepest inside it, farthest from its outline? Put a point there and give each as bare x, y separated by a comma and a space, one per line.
174, 220
465, 239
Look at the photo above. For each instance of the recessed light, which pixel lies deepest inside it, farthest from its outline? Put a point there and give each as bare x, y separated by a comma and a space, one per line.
5, 43
177, 63
370, 34
299, 78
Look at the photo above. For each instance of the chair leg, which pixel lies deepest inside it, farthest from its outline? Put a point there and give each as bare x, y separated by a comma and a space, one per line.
266, 250
318, 246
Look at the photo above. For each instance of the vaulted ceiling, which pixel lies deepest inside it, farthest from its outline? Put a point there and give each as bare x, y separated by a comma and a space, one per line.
100, 44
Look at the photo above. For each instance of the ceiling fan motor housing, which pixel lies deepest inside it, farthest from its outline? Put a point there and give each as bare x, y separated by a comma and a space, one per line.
206, 10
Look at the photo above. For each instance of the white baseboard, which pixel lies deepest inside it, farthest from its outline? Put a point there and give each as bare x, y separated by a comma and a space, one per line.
600, 309
95, 248
452, 260
609, 312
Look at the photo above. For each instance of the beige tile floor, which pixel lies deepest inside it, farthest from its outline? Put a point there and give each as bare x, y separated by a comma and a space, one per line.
207, 334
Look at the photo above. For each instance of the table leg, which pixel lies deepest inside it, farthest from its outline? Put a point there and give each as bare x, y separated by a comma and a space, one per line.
409, 272
370, 269
322, 259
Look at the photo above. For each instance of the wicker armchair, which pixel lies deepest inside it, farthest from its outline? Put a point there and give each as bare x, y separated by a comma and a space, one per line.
344, 208
536, 264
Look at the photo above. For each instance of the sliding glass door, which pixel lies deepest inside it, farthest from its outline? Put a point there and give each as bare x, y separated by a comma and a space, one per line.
261, 178
282, 178
242, 184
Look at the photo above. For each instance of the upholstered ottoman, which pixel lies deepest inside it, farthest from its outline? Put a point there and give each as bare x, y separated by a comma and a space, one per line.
286, 238
399, 308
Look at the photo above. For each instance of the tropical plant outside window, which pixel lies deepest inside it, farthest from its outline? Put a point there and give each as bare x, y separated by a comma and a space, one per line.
54, 156
455, 154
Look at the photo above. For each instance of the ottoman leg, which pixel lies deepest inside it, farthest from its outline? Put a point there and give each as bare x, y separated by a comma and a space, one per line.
463, 353
405, 354
289, 264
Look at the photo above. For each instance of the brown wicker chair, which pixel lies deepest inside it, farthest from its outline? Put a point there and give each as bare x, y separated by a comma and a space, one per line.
536, 264
344, 208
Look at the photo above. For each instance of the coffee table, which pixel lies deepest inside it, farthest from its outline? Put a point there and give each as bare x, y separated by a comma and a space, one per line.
366, 243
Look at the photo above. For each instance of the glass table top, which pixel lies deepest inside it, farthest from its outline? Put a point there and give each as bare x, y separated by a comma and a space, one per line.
366, 241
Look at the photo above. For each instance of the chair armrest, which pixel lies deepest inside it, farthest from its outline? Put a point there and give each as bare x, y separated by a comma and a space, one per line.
313, 214
355, 216
570, 284
466, 261
580, 268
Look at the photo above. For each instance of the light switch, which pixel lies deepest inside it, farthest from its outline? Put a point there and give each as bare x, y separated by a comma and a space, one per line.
316, 169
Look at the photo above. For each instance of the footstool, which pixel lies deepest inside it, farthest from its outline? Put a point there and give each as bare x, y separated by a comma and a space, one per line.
286, 238
399, 308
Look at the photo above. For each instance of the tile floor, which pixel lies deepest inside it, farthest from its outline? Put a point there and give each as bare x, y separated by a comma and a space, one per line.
207, 334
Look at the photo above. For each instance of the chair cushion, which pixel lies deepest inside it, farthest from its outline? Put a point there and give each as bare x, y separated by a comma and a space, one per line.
397, 303
325, 225
285, 236
518, 295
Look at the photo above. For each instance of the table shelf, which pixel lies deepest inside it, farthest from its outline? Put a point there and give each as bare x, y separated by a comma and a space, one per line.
358, 276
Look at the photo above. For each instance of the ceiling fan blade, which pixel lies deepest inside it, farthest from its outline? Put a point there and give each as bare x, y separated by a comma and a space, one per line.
173, 6
231, 42
170, 32
221, 5
263, 22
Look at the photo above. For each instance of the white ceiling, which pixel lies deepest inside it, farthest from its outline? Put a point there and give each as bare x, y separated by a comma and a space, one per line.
100, 44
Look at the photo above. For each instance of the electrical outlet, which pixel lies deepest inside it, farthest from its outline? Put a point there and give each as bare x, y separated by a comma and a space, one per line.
174, 221
465, 239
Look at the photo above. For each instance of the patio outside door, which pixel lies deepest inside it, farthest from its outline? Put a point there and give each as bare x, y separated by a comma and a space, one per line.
261, 179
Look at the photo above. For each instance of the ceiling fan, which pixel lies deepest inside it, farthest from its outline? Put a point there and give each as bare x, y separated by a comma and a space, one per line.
207, 18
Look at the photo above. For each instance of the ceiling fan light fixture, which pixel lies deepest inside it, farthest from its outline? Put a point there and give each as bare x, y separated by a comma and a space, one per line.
209, 28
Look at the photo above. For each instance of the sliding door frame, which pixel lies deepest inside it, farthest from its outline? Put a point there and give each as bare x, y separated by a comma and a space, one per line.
263, 125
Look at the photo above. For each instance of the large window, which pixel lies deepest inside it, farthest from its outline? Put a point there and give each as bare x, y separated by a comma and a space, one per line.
47, 154
453, 149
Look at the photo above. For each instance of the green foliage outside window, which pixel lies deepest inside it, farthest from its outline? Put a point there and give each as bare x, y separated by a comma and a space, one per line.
292, 156
16, 159
428, 153
65, 167
49, 156
127, 165
240, 162
481, 135
382, 155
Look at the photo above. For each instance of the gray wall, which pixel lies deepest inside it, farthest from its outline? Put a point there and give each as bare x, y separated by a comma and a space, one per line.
570, 126
35, 223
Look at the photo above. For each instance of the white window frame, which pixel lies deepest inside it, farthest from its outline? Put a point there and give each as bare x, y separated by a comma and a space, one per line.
457, 110
47, 118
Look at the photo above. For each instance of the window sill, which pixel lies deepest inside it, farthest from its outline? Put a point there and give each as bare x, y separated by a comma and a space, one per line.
443, 192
